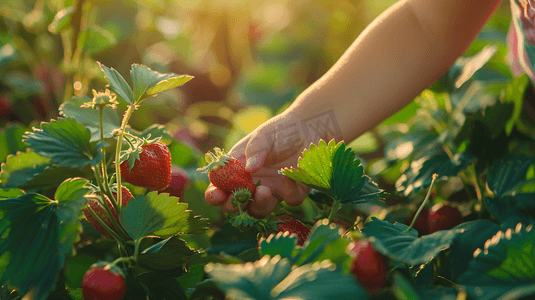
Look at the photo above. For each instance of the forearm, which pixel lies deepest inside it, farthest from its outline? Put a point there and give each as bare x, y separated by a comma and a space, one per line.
399, 54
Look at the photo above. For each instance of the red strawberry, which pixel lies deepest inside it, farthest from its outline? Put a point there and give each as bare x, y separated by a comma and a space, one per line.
443, 217
421, 225
368, 266
227, 173
103, 215
179, 182
293, 226
103, 281
152, 170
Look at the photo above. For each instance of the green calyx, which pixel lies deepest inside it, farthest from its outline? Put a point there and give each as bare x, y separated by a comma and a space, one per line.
220, 158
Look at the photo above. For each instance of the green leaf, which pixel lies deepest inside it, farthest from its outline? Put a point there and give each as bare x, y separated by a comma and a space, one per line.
406, 247
402, 288
61, 20
514, 93
461, 252
96, 39
321, 235
90, 117
504, 175
159, 215
10, 193
421, 170
168, 254
153, 131
507, 210
369, 192
21, 168
148, 82
11, 140
65, 142
465, 67
330, 168
118, 85
281, 244
507, 258
37, 234
273, 278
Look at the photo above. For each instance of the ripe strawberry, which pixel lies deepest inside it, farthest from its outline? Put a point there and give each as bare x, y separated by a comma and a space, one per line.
443, 217
152, 170
421, 225
368, 266
227, 173
103, 215
179, 182
293, 226
103, 281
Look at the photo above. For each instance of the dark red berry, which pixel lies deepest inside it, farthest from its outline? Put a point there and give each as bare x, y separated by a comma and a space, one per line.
103, 282
421, 224
443, 217
293, 226
368, 266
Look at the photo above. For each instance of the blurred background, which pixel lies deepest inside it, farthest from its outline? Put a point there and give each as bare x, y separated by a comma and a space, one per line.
250, 60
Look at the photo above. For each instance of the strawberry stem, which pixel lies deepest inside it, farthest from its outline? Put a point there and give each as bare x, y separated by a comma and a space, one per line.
126, 117
434, 177
106, 227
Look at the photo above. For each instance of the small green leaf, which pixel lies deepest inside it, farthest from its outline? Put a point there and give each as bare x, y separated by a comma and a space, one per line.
509, 172
465, 67
90, 117
330, 168
148, 82
65, 142
402, 288
151, 132
168, 254
507, 258
514, 93
159, 215
61, 20
421, 170
96, 39
171, 82
406, 247
11, 140
118, 85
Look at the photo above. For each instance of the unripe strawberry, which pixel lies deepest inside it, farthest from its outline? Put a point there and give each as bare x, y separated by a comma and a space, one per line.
368, 266
179, 183
443, 217
103, 215
103, 282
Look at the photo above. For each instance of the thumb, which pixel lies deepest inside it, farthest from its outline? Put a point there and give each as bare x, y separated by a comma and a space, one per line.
256, 152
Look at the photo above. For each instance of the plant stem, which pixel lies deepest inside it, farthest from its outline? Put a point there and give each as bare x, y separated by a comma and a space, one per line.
334, 209
126, 117
423, 203
103, 165
106, 227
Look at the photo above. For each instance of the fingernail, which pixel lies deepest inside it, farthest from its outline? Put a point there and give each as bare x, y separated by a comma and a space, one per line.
250, 163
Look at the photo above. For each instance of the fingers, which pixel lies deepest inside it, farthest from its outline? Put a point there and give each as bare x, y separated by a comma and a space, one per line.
293, 192
256, 151
263, 204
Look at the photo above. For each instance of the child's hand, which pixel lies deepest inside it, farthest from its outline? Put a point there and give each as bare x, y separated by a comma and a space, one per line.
273, 145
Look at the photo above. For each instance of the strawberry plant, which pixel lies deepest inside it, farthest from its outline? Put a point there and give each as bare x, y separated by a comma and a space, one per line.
373, 226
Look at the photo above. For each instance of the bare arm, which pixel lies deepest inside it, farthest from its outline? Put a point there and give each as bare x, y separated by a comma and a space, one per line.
402, 52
